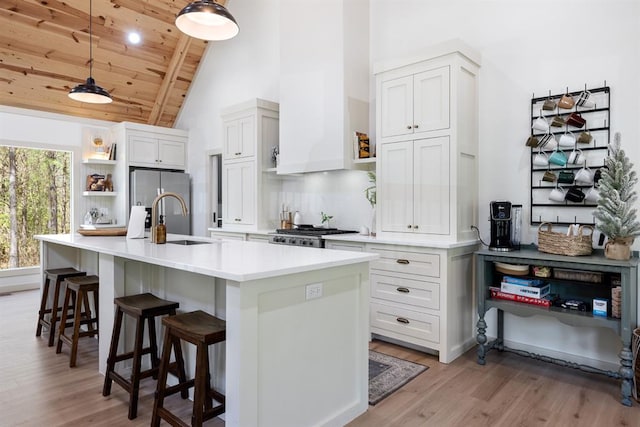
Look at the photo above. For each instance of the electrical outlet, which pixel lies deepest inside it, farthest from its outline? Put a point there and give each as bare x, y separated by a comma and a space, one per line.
313, 290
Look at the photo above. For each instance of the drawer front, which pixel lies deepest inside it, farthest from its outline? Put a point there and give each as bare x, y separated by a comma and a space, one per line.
410, 323
406, 291
426, 264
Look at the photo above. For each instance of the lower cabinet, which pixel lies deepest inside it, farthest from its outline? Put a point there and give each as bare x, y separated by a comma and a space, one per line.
421, 296
227, 235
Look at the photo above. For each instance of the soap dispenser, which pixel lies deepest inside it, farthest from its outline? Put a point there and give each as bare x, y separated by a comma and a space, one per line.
161, 231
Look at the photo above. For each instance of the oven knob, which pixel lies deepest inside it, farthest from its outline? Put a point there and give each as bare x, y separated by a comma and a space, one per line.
306, 242
292, 241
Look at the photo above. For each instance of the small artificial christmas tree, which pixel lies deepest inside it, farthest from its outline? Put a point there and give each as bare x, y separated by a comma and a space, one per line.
615, 212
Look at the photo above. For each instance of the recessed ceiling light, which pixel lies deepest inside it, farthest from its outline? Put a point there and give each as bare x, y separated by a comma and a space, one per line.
134, 37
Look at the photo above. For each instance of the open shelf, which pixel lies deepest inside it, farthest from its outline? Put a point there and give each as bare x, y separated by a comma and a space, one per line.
99, 162
100, 193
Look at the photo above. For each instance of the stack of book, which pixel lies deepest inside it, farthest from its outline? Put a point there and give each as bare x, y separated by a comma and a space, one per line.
528, 291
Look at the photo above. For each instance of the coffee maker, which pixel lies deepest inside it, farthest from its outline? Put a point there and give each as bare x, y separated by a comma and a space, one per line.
500, 217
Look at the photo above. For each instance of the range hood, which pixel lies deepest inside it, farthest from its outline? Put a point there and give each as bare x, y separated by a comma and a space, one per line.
324, 83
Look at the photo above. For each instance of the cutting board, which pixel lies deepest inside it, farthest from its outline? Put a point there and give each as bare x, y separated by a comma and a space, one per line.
119, 231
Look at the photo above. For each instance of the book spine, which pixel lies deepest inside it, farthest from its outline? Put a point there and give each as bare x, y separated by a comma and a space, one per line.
526, 291
498, 294
523, 282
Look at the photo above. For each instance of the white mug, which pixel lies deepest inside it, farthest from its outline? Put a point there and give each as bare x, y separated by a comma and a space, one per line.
585, 100
547, 142
567, 140
541, 124
577, 157
557, 194
541, 159
585, 176
592, 195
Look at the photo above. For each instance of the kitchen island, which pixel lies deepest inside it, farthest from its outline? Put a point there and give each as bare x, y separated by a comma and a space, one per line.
297, 318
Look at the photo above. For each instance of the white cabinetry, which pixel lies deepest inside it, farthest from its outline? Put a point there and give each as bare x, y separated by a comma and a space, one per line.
421, 296
415, 103
156, 151
151, 146
239, 137
250, 135
427, 123
414, 177
324, 83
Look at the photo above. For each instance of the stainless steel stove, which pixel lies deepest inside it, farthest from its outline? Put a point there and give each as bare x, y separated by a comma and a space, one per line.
304, 235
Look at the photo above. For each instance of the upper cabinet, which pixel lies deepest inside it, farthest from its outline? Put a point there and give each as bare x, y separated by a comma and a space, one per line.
415, 104
324, 83
239, 137
151, 146
427, 127
250, 138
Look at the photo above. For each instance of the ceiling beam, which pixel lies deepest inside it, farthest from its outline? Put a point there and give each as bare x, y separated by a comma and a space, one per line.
170, 78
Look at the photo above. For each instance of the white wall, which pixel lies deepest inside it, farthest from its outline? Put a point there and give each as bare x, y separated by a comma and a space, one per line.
528, 47
231, 72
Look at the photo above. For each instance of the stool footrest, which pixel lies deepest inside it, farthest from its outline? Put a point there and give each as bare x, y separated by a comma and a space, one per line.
179, 387
170, 418
129, 355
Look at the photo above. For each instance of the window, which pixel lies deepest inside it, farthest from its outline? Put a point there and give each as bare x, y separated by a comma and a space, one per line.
35, 194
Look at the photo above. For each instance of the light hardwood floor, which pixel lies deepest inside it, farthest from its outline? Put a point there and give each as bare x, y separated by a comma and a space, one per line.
37, 388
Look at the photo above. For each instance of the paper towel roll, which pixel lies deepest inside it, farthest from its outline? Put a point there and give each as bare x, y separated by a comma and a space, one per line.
136, 222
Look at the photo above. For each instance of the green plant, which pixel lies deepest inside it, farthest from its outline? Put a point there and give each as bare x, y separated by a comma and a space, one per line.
370, 192
325, 217
615, 212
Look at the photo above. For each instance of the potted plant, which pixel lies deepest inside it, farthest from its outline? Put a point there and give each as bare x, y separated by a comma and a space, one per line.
325, 219
615, 212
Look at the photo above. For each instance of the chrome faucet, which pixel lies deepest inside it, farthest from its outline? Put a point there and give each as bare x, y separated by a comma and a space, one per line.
154, 211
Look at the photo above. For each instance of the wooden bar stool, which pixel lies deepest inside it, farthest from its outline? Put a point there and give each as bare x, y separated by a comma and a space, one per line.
141, 307
202, 330
57, 276
78, 288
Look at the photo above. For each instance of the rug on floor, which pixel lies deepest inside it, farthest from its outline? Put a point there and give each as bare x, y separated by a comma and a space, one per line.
387, 374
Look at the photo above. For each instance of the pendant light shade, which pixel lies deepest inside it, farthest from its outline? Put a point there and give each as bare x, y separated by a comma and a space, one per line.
207, 20
90, 92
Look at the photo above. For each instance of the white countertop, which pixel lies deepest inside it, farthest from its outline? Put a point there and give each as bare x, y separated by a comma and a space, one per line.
233, 260
354, 237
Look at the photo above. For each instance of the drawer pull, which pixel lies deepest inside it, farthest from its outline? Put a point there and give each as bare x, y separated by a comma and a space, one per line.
402, 320
402, 261
403, 290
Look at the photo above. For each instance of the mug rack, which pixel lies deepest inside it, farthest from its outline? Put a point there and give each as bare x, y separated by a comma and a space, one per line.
598, 123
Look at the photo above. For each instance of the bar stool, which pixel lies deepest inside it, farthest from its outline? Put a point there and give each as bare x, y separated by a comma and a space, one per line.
57, 276
78, 288
202, 330
141, 307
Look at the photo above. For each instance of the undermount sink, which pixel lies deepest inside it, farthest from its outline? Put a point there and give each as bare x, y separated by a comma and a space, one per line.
188, 242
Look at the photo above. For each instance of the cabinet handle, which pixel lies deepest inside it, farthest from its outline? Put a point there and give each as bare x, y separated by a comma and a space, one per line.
238, 219
237, 154
402, 320
415, 126
409, 226
403, 290
415, 226
159, 160
408, 126
402, 261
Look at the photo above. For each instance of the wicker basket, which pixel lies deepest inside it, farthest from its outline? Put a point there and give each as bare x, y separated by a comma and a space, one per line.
563, 244
635, 347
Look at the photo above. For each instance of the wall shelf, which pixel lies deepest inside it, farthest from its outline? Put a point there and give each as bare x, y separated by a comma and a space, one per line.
100, 193
99, 162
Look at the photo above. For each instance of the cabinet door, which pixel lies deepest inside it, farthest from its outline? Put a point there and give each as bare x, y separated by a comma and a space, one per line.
239, 138
395, 184
431, 100
239, 193
171, 154
431, 194
143, 151
397, 106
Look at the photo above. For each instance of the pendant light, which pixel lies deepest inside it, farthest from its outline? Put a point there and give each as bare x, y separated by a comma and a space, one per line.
207, 20
89, 91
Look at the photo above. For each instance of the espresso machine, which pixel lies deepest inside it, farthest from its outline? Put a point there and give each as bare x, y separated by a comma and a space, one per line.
500, 215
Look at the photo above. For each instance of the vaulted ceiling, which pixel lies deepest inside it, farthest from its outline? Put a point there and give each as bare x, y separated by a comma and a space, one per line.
44, 52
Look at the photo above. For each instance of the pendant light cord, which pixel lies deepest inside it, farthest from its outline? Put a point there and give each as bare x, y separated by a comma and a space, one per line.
90, 39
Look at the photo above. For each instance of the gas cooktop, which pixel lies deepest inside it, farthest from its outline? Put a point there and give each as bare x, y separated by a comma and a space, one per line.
304, 235
312, 231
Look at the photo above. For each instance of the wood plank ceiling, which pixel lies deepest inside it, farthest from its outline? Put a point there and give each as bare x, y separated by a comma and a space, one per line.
44, 52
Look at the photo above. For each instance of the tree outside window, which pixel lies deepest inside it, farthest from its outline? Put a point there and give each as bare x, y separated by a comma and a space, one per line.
34, 198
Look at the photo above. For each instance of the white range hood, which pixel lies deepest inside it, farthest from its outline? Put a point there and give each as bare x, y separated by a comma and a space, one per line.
324, 83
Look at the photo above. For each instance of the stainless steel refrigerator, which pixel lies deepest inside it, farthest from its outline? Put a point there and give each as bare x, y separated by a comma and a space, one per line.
145, 185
